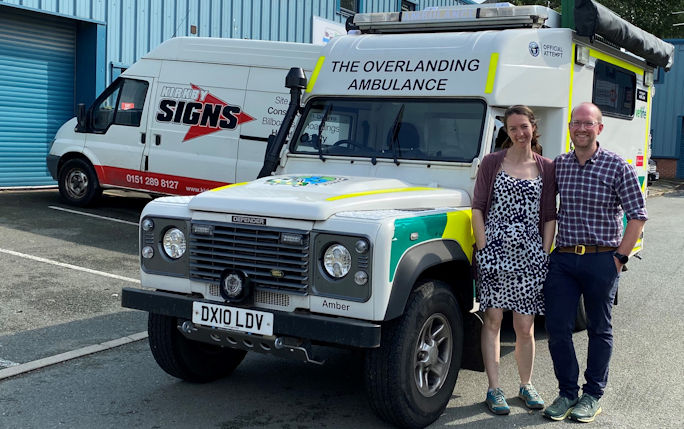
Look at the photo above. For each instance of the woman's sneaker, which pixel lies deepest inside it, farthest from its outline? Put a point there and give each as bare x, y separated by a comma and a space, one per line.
496, 401
531, 397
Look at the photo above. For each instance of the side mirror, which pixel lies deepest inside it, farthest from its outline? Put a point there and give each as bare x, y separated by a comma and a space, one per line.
80, 117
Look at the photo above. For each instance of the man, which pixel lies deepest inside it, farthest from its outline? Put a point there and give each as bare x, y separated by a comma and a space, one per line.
595, 187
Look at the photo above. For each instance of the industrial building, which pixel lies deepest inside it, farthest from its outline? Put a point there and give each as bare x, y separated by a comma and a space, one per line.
667, 124
55, 54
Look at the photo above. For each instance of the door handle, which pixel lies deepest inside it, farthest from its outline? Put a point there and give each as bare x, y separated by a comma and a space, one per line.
142, 138
157, 139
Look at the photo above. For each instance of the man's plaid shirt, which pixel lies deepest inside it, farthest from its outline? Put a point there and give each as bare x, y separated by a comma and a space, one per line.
593, 197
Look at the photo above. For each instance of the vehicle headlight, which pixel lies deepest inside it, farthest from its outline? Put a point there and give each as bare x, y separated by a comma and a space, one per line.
173, 243
337, 261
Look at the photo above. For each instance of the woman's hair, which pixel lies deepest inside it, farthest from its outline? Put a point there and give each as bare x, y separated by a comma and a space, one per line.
519, 109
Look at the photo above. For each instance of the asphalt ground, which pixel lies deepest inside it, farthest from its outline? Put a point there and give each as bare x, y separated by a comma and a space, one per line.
63, 265
47, 309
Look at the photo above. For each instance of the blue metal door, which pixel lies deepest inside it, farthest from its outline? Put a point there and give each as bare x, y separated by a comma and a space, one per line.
36, 91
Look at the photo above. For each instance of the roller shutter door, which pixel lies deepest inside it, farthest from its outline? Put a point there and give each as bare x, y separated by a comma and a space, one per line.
36, 92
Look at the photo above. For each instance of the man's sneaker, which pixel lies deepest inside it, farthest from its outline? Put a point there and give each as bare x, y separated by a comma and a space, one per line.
586, 410
497, 402
532, 399
560, 408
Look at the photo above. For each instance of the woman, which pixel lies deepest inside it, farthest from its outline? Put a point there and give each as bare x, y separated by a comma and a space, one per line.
514, 220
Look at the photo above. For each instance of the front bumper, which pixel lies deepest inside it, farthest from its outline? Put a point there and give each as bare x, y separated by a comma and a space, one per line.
324, 329
52, 163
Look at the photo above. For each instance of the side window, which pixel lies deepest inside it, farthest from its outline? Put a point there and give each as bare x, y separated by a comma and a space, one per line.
408, 5
349, 7
131, 103
614, 90
500, 135
122, 104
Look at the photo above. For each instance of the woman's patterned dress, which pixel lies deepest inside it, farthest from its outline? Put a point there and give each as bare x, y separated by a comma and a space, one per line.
512, 266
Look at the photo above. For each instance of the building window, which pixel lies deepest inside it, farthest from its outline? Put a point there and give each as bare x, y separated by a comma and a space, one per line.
614, 90
117, 69
350, 7
407, 5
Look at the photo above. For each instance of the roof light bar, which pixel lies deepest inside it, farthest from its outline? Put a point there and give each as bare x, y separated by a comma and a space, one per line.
467, 17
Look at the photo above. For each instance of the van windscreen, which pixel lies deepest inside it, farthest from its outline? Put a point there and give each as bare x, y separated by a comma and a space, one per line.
431, 130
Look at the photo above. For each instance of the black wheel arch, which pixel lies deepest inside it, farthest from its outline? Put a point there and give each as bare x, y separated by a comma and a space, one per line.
442, 260
73, 155
438, 259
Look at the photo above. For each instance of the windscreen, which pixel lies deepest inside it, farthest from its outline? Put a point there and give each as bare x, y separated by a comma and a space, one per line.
434, 130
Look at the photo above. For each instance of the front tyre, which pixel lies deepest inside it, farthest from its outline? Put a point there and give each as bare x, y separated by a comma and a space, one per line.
78, 182
186, 359
411, 376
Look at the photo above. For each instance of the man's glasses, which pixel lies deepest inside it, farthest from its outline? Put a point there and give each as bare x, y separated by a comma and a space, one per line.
587, 124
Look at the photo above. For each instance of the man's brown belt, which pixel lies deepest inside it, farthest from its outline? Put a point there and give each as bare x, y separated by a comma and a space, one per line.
581, 249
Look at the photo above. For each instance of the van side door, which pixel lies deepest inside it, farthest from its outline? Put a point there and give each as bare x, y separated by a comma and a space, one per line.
194, 130
117, 127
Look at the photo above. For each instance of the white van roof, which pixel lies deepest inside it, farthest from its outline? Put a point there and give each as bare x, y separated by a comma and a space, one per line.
235, 51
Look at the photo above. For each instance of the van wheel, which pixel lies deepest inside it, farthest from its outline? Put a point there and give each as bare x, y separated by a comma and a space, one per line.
581, 319
186, 359
411, 376
78, 183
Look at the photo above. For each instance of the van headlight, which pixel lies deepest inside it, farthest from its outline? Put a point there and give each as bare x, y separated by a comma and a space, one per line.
173, 243
337, 261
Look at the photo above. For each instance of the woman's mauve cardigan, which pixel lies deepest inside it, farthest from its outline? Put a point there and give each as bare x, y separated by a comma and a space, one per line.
484, 186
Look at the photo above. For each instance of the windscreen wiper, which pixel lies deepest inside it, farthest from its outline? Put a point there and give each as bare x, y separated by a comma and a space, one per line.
326, 112
395, 134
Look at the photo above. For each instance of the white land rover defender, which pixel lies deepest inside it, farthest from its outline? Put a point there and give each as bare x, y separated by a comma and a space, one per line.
357, 233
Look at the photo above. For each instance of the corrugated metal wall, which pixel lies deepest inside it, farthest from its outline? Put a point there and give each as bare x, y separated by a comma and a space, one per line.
36, 92
668, 107
134, 27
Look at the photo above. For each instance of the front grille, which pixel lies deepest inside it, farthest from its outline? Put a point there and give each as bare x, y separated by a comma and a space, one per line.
255, 250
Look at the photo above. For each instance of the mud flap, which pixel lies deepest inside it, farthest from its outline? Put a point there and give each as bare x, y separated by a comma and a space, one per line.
472, 352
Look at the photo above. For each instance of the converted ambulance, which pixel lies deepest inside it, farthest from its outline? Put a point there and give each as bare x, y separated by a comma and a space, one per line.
193, 114
357, 233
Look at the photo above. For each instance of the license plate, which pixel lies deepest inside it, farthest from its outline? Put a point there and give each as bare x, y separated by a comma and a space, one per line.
236, 319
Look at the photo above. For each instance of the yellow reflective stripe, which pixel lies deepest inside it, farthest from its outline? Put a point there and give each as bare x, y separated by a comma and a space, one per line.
491, 74
459, 227
647, 154
616, 62
314, 75
379, 191
228, 186
572, 81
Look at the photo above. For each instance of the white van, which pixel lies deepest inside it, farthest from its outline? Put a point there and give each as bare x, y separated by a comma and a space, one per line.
193, 114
